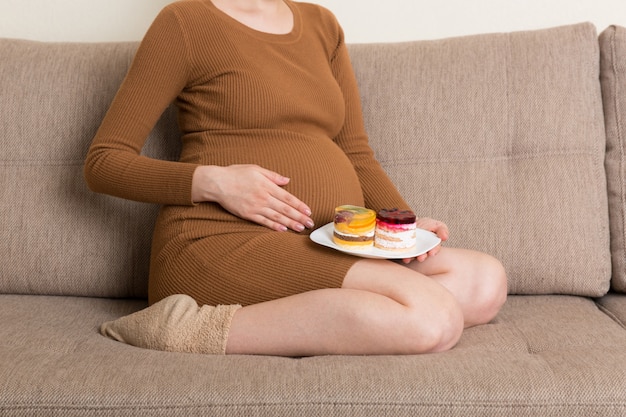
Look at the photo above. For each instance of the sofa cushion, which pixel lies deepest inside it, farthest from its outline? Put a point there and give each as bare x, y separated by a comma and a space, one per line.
57, 236
499, 135
502, 137
613, 79
54, 362
614, 305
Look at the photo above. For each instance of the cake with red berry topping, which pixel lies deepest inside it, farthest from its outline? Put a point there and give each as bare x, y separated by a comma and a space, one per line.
354, 227
395, 230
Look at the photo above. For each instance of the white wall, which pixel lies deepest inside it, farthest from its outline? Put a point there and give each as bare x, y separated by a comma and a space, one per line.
363, 20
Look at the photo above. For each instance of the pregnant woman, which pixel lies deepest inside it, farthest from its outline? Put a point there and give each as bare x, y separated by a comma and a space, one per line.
273, 140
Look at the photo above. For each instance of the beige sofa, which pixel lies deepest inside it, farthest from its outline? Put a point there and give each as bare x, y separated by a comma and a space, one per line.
515, 140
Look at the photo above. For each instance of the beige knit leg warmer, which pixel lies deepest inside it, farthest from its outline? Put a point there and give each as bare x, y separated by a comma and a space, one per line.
175, 324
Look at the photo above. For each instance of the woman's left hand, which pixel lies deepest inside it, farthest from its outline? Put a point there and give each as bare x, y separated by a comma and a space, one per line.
438, 228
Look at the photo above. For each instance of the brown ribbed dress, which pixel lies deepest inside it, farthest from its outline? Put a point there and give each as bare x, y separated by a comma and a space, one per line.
288, 103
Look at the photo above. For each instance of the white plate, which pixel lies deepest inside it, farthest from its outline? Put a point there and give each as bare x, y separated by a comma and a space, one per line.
425, 242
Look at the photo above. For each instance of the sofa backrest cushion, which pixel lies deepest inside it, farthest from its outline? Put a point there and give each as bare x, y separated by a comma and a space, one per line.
499, 135
613, 79
57, 236
502, 137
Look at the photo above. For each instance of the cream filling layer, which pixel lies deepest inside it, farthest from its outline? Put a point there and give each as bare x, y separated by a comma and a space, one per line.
395, 240
368, 234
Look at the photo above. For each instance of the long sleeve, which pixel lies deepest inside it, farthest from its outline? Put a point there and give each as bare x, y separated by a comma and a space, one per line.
378, 190
159, 72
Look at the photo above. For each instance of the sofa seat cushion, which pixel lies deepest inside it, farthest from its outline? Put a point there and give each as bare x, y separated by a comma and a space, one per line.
544, 355
502, 137
614, 305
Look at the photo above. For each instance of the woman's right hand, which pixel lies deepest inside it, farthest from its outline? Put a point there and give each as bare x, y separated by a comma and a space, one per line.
252, 193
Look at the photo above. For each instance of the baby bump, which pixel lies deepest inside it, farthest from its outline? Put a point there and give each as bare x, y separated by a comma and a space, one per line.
320, 173
323, 179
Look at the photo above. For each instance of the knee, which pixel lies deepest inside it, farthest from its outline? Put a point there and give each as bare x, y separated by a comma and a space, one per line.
491, 291
447, 329
438, 331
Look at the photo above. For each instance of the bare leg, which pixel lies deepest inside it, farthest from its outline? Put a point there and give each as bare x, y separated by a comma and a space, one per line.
383, 308
477, 281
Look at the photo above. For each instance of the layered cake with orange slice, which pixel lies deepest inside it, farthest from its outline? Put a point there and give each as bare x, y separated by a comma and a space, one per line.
395, 230
354, 227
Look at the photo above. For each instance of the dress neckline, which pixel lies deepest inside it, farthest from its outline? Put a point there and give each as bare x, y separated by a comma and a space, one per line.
288, 37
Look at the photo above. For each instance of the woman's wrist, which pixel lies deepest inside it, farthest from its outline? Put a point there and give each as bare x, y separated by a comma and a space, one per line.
203, 185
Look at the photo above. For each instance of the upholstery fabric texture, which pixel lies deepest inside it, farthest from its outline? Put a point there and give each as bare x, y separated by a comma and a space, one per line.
613, 79
62, 238
614, 305
501, 136
521, 364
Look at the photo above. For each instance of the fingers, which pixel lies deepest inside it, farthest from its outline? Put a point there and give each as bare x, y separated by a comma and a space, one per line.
435, 226
420, 258
290, 206
285, 212
286, 197
257, 194
275, 177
